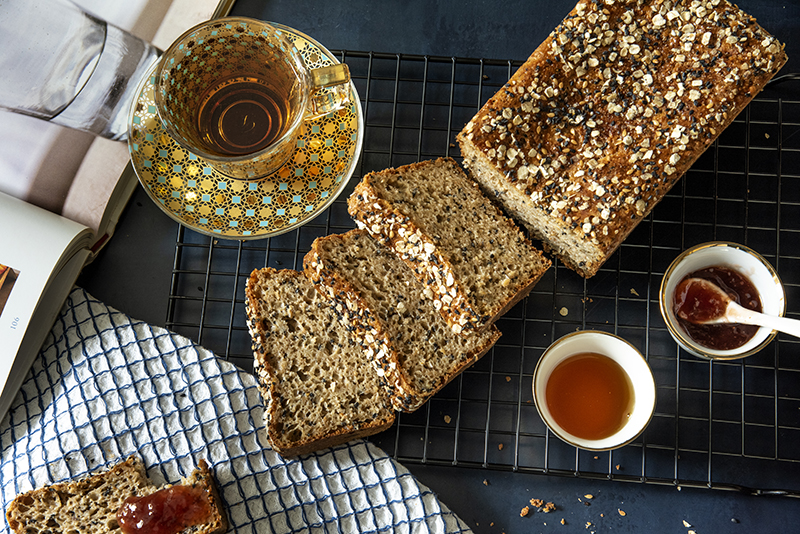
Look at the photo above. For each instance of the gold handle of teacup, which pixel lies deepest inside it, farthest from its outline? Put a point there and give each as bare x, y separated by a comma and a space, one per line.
330, 91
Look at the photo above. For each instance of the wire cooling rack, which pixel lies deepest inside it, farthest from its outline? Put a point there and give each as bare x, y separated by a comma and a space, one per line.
724, 425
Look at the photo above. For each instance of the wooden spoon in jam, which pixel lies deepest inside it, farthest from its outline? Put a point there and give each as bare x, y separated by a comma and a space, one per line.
700, 301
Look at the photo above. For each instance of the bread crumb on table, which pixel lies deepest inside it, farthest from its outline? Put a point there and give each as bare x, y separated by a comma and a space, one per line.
621, 512
524, 511
563, 312
543, 506
447, 419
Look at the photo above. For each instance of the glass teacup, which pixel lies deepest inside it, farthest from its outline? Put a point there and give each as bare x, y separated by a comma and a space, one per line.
236, 92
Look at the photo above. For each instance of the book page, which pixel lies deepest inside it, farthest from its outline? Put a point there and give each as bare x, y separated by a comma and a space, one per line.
35, 246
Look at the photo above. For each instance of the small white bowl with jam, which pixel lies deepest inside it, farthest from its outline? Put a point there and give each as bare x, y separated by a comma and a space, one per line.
594, 390
745, 276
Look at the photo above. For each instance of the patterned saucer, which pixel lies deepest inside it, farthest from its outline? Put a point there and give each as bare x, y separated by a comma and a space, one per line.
197, 196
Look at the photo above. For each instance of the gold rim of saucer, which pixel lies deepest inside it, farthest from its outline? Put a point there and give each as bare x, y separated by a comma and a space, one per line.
197, 196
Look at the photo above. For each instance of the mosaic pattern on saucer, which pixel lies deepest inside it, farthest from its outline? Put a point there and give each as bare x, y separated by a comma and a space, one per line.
193, 193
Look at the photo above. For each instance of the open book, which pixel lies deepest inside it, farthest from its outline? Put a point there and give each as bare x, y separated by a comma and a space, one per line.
62, 193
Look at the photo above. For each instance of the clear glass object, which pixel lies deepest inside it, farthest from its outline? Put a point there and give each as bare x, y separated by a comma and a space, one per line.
236, 92
63, 65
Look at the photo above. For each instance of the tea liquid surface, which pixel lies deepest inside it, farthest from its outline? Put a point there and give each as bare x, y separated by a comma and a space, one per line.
242, 116
590, 396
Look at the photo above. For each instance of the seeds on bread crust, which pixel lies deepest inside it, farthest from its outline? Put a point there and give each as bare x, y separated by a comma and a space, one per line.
474, 262
607, 114
379, 296
319, 387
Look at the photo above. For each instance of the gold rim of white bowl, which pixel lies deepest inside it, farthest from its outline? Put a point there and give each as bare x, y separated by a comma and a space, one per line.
627, 356
749, 263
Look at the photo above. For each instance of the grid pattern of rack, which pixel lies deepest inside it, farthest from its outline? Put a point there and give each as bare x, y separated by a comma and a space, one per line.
730, 425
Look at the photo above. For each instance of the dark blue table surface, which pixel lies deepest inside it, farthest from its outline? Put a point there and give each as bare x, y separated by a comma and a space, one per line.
132, 274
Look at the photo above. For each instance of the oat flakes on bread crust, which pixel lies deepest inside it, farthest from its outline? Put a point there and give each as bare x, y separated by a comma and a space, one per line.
379, 295
474, 261
606, 115
89, 505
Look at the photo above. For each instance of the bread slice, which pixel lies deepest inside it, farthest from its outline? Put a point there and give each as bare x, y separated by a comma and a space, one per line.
609, 111
90, 505
382, 299
319, 387
475, 262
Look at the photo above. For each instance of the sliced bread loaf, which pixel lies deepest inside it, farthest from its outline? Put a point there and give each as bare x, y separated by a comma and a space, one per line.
382, 299
319, 387
609, 111
90, 505
474, 261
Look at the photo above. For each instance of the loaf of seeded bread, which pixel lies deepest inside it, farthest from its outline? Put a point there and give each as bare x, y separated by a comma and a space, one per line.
474, 261
607, 114
380, 297
319, 387
90, 505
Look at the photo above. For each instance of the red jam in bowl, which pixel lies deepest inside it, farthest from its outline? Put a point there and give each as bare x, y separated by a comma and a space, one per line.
717, 336
167, 511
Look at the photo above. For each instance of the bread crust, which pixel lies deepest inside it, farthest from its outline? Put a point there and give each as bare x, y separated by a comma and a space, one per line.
269, 384
385, 222
353, 308
609, 112
203, 476
71, 501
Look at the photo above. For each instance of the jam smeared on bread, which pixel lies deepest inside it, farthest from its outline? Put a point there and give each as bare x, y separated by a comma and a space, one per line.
609, 111
167, 511
89, 505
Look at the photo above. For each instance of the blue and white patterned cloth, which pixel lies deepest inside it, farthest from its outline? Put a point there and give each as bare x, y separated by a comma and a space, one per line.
105, 387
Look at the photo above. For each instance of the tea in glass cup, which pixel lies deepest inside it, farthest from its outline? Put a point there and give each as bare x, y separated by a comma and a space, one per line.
236, 92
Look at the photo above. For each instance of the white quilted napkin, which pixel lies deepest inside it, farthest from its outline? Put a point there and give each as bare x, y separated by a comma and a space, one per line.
105, 386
